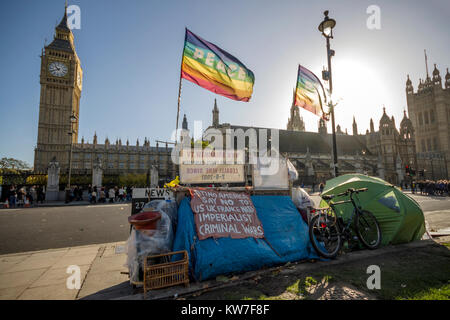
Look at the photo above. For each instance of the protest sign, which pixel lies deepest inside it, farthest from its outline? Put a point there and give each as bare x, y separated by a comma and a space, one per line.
220, 214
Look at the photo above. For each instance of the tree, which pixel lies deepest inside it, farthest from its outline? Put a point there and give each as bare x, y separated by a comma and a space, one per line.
14, 164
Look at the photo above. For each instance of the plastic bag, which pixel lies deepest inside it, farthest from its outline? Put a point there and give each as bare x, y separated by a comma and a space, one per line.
292, 172
142, 243
168, 206
301, 199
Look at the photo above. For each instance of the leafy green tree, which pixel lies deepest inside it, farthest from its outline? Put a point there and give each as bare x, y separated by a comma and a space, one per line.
14, 164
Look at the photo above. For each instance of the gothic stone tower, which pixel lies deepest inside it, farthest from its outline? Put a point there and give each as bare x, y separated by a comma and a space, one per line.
429, 110
388, 136
61, 84
295, 121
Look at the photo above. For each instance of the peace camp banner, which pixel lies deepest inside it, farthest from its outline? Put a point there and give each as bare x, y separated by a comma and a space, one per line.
307, 94
216, 70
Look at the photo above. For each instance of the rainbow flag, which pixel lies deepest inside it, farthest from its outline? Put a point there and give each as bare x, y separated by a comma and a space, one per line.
214, 69
307, 92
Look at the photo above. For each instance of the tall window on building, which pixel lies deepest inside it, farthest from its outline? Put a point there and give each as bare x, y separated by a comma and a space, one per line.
426, 117
428, 145
435, 146
432, 116
420, 119
423, 146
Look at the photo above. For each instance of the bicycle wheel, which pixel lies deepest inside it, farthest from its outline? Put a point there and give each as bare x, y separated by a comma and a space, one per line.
325, 236
368, 230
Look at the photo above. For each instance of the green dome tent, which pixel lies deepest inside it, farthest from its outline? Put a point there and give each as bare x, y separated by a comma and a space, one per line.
400, 217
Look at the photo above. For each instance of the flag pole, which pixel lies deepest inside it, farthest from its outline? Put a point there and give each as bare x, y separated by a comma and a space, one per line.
179, 89
179, 103
178, 110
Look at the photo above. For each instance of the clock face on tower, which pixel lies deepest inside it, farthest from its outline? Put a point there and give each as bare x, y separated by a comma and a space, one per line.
79, 78
57, 69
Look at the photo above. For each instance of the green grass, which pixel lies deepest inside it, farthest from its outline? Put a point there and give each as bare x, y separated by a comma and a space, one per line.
415, 274
442, 293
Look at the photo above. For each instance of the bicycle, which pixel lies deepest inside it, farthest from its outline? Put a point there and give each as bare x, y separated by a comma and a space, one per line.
328, 232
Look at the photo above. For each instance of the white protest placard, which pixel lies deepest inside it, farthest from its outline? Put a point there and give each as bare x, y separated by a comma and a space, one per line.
211, 173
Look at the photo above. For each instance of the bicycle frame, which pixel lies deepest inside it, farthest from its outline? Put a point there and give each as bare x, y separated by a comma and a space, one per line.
356, 210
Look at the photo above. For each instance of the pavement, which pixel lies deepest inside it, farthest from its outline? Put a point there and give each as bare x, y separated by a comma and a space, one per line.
42, 275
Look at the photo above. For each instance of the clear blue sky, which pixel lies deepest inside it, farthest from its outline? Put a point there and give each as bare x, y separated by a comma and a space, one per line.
131, 51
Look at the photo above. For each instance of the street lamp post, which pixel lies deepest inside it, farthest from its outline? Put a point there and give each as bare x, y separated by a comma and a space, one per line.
73, 120
326, 27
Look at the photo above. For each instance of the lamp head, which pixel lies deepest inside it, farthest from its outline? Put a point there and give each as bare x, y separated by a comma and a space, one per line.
327, 25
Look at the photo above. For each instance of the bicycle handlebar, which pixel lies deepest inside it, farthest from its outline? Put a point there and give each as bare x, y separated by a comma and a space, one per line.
346, 193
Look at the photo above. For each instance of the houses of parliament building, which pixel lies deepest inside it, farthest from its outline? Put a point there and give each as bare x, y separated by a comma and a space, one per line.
422, 141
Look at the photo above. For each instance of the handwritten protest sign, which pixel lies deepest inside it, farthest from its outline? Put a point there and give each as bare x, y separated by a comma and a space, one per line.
220, 214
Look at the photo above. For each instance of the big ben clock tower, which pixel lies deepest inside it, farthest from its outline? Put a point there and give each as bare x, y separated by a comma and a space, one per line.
61, 84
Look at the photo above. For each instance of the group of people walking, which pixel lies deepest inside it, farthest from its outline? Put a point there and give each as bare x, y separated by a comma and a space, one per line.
111, 195
19, 197
25, 196
432, 187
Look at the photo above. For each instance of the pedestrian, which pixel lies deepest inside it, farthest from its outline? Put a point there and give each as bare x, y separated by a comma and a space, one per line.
121, 193
112, 194
90, 190
34, 195
94, 196
129, 191
12, 196
20, 198
116, 193
321, 187
102, 195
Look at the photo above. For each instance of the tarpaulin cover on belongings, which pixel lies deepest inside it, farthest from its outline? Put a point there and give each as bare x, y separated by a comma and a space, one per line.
400, 217
285, 231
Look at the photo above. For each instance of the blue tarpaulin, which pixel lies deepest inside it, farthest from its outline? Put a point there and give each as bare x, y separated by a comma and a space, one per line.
284, 229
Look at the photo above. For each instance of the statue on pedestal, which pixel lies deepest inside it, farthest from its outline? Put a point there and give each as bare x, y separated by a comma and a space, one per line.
52, 193
97, 173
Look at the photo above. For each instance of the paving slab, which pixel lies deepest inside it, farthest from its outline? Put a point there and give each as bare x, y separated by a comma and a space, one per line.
53, 292
57, 277
111, 263
37, 261
20, 278
77, 260
77, 251
11, 293
6, 263
96, 285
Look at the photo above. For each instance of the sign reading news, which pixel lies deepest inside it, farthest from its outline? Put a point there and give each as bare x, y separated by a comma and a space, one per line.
141, 196
221, 214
